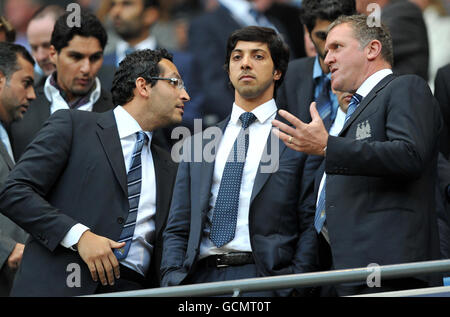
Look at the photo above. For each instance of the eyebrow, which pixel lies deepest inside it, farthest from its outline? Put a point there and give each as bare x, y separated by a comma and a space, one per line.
79, 53
254, 50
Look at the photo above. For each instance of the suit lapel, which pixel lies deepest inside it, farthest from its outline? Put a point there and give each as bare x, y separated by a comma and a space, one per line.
109, 138
265, 169
163, 175
5, 156
366, 101
207, 168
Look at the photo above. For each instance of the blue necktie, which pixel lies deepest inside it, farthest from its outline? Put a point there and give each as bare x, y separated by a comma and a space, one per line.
324, 104
129, 50
320, 216
354, 103
134, 191
225, 212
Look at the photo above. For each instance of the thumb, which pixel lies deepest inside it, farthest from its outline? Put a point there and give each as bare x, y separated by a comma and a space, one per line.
313, 111
116, 245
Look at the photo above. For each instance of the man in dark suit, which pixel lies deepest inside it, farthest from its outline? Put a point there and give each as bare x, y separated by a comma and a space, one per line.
208, 36
405, 22
16, 93
77, 53
228, 218
307, 79
442, 94
376, 199
93, 183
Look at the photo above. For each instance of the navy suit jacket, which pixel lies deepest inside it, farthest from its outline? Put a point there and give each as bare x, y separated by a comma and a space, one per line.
381, 177
282, 236
74, 172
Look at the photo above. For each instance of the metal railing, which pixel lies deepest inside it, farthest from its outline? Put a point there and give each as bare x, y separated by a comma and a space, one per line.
236, 287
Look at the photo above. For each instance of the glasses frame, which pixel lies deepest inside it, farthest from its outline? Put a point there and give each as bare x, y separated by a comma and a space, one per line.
178, 81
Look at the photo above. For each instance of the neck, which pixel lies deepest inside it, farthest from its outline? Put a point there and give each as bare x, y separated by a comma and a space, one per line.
141, 37
145, 121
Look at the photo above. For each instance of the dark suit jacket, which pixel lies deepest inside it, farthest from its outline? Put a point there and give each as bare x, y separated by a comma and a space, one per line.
282, 237
297, 91
23, 132
74, 172
10, 233
409, 37
380, 198
442, 94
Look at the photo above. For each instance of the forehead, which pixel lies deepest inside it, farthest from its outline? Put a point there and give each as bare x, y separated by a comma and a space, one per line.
168, 68
340, 33
84, 45
26, 68
321, 25
43, 26
251, 46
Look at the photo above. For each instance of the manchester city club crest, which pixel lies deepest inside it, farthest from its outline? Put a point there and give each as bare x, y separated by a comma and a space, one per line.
363, 130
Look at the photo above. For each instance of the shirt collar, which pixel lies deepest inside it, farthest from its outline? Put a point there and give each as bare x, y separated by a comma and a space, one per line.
127, 125
317, 70
372, 81
262, 113
148, 43
51, 90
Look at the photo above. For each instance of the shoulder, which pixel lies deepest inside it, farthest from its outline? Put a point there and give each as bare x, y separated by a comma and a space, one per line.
443, 73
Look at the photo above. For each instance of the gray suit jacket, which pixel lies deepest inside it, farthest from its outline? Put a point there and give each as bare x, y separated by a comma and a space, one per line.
10, 233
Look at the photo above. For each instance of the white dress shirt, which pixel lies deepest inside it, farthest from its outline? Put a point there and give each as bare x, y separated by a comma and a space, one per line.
258, 134
57, 101
139, 255
240, 10
5, 139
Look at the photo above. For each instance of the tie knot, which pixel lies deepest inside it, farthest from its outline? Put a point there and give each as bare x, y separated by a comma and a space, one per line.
356, 98
247, 118
141, 139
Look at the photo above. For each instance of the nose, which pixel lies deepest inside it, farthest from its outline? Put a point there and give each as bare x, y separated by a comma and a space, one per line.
31, 94
184, 95
328, 59
245, 62
42, 54
85, 66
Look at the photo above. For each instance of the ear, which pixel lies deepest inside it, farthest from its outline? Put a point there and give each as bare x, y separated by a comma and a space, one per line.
53, 54
151, 15
373, 50
142, 87
277, 74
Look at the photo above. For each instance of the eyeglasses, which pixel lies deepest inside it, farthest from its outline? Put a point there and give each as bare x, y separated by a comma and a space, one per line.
177, 82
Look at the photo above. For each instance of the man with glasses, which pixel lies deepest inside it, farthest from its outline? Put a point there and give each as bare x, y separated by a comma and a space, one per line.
94, 191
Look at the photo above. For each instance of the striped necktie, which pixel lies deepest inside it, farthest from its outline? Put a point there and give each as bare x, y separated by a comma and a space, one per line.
225, 212
320, 216
134, 177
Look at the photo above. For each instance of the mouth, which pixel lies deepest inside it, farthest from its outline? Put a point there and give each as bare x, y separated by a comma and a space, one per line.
181, 107
246, 77
83, 81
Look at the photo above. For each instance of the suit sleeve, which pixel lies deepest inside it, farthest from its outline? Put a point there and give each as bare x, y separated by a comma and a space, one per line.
412, 125
176, 234
23, 198
442, 93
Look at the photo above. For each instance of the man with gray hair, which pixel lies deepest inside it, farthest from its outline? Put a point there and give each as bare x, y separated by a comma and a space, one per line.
375, 187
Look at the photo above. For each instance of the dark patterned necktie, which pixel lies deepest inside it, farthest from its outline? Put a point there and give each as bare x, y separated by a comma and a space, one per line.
225, 212
134, 178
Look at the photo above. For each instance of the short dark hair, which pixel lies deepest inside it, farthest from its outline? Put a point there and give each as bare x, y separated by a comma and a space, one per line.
8, 58
279, 50
365, 33
328, 10
141, 63
151, 3
90, 25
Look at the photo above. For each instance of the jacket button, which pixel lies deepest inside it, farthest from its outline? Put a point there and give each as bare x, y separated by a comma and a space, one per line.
120, 220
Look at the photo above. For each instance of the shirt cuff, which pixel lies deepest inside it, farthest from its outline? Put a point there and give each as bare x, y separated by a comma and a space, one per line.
73, 236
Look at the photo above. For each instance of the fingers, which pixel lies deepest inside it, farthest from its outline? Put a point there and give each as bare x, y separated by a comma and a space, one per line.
313, 111
291, 118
